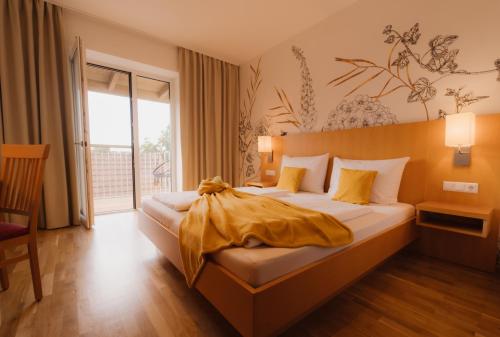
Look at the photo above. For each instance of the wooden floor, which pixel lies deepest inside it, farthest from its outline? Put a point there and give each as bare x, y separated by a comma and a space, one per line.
112, 282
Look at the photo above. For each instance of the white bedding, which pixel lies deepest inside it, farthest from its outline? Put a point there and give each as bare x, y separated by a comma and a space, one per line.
181, 201
342, 211
262, 264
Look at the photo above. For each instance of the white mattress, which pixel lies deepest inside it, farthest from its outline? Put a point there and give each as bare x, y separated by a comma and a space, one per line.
262, 264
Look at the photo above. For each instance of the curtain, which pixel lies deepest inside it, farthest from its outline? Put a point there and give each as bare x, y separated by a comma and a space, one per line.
36, 100
209, 103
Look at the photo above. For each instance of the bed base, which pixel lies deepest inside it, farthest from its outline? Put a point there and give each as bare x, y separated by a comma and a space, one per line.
273, 307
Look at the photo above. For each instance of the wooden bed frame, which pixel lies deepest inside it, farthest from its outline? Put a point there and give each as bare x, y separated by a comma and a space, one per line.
269, 309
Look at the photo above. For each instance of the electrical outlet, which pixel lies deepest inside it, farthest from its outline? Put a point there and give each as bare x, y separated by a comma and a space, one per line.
270, 173
463, 187
471, 188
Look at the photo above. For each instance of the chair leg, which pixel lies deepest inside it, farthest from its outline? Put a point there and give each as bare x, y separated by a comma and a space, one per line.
35, 270
4, 277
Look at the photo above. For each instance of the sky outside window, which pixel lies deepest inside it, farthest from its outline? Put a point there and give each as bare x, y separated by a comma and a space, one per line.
154, 117
109, 118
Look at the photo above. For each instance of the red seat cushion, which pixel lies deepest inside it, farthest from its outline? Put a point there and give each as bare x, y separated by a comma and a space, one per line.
11, 230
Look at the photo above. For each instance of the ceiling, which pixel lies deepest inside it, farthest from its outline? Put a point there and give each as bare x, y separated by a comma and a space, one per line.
233, 30
114, 82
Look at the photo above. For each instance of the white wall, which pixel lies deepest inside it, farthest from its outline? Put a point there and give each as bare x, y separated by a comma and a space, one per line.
118, 41
357, 32
118, 46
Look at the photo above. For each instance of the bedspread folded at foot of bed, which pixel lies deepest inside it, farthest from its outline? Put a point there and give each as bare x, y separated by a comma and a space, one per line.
228, 217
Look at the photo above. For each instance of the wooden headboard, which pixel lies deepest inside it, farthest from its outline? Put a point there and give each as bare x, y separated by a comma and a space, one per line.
431, 162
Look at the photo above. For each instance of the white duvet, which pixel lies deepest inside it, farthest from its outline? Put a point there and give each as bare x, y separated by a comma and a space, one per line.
182, 201
342, 211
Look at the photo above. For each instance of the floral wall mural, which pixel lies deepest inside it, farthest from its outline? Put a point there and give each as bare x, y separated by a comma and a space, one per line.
361, 112
461, 100
284, 113
247, 132
438, 59
304, 119
354, 70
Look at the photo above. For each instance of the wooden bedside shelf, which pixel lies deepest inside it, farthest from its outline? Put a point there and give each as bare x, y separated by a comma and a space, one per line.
458, 233
260, 183
461, 219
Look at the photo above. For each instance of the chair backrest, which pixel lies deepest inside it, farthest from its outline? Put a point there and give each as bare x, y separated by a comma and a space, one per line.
21, 179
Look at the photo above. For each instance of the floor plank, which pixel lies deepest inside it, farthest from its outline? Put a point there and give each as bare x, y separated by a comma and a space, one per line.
111, 281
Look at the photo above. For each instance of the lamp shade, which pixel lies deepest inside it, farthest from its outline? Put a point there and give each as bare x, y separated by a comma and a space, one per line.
264, 144
460, 129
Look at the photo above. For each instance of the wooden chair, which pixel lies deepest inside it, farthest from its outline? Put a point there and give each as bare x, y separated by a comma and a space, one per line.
20, 192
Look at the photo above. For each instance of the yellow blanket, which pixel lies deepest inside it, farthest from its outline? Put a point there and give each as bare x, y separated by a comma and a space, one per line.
224, 217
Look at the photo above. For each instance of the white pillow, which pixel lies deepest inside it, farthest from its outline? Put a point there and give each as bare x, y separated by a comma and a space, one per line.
386, 185
314, 178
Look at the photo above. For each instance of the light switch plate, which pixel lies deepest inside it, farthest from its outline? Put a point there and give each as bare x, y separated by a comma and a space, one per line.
270, 173
458, 186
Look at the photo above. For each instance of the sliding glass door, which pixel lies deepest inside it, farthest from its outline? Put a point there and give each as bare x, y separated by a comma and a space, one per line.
155, 135
130, 144
110, 125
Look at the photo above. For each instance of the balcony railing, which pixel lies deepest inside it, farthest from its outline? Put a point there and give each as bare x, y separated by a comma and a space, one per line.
113, 184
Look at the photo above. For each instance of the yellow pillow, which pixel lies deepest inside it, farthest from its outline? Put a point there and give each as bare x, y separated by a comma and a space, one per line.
290, 178
355, 186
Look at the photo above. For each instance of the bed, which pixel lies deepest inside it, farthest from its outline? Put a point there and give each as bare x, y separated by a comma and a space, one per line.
262, 291
260, 265
258, 270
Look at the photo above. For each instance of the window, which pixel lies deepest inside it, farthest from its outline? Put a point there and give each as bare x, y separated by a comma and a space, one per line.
132, 137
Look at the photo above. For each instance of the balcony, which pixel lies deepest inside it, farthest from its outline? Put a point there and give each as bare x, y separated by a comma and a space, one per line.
113, 179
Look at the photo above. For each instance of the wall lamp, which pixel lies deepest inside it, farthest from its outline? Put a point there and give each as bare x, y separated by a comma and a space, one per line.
265, 145
460, 133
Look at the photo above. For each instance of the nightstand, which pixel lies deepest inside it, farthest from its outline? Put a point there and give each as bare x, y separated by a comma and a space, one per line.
260, 183
458, 233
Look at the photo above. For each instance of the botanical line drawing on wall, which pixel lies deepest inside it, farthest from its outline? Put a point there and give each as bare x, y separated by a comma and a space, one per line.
252, 158
439, 60
305, 119
461, 100
497, 64
288, 114
247, 137
307, 105
362, 111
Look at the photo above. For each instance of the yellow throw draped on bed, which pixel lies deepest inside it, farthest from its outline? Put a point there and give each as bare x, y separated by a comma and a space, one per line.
223, 217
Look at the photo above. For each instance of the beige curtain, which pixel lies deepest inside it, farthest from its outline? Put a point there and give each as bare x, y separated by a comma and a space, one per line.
209, 102
35, 98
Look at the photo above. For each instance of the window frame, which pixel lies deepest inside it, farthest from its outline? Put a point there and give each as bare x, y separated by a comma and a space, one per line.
155, 73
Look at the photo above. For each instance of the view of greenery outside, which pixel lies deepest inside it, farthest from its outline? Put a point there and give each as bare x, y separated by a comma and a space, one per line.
162, 145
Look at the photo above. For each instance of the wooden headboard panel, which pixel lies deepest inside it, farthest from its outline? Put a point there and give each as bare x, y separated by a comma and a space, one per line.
431, 162
369, 143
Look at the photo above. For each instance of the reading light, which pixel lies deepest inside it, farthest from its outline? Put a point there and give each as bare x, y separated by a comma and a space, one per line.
265, 145
461, 134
